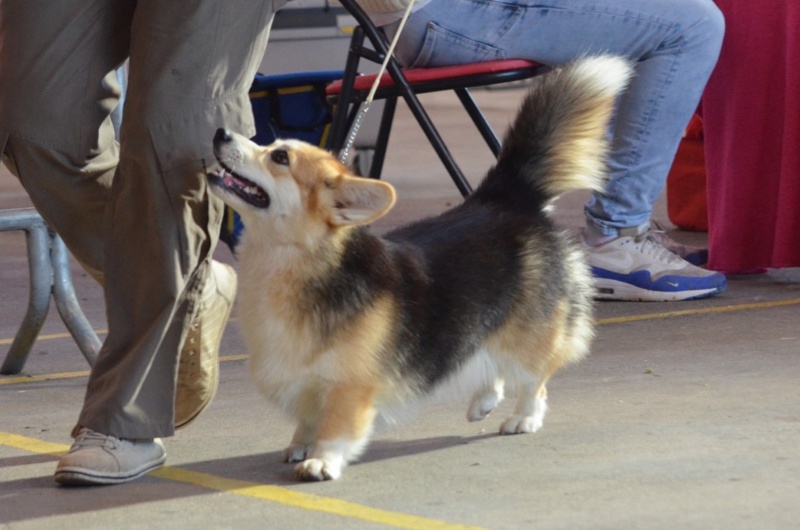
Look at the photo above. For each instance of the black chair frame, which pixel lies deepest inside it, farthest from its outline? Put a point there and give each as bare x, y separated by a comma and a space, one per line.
349, 99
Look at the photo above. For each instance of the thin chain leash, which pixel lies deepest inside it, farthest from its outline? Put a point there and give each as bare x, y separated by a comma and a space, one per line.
364, 107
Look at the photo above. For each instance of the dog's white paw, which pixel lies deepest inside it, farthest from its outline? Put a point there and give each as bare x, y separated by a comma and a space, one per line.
521, 424
485, 401
318, 469
482, 405
297, 452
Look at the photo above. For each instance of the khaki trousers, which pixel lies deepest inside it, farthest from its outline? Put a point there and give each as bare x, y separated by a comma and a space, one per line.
135, 213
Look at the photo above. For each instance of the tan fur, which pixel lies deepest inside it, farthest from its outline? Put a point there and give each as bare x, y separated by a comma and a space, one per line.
342, 325
347, 373
349, 412
539, 347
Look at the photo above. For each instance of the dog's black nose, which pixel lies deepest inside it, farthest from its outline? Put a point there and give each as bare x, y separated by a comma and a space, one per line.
222, 136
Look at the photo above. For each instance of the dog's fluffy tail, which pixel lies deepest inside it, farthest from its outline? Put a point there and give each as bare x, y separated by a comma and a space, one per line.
559, 140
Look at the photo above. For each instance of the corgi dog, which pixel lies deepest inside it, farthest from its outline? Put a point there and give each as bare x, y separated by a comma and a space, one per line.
344, 326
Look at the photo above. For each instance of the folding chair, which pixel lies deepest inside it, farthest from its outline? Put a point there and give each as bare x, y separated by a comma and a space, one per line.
349, 92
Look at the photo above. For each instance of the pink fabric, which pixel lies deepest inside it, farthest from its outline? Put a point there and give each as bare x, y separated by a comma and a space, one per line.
751, 118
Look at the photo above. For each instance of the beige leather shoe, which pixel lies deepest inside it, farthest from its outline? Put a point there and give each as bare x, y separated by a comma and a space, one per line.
198, 371
96, 458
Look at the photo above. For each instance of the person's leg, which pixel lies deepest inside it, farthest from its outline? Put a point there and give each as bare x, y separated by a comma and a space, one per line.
191, 64
674, 44
56, 93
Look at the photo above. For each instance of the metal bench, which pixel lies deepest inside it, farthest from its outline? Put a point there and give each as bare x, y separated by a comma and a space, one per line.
49, 268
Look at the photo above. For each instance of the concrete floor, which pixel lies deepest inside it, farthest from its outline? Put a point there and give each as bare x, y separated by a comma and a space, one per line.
686, 415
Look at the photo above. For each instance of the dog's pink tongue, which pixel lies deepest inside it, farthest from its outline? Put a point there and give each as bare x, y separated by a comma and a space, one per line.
227, 179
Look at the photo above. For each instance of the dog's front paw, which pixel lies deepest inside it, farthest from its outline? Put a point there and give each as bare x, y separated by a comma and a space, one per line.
521, 424
297, 453
318, 469
482, 405
485, 401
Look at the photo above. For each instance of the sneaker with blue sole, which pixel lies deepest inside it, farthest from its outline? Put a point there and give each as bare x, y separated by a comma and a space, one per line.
637, 267
695, 255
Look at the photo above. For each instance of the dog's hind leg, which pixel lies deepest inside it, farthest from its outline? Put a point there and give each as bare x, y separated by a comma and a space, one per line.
529, 411
344, 431
485, 400
537, 357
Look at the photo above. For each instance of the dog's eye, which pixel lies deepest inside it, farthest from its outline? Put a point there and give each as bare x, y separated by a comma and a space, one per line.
280, 156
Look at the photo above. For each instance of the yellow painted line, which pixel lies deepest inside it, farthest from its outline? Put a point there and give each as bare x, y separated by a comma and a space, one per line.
56, 336
599, 322
46, 377
701, 311
53, 336
306, 501
262, 492
32, 445
84, 373
314, 502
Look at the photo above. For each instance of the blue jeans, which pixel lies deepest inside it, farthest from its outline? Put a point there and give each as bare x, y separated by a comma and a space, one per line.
674, 43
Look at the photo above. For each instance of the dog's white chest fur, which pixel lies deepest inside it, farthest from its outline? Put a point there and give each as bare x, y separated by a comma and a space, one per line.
274, 328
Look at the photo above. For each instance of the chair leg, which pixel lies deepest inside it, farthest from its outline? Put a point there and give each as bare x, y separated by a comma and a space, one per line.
339, 129
382, 142
479, 120
428, 128
341, 121
437, 142
351, 116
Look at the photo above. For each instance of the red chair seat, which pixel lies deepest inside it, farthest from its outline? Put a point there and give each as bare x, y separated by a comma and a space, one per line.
421, 75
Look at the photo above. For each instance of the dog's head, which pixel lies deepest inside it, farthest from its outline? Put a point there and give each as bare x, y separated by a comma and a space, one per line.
292, 188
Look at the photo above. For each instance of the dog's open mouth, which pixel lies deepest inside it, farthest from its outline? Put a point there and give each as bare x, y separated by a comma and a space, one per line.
245, 189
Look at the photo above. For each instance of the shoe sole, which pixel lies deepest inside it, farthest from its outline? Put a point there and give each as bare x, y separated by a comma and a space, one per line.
190, 419
77, 476
215, 382
606, 289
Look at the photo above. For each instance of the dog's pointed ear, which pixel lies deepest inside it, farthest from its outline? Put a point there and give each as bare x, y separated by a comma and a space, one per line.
357, 200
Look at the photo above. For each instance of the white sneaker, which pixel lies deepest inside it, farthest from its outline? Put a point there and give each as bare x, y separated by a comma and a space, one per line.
694, 255
96, 458
636, 267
